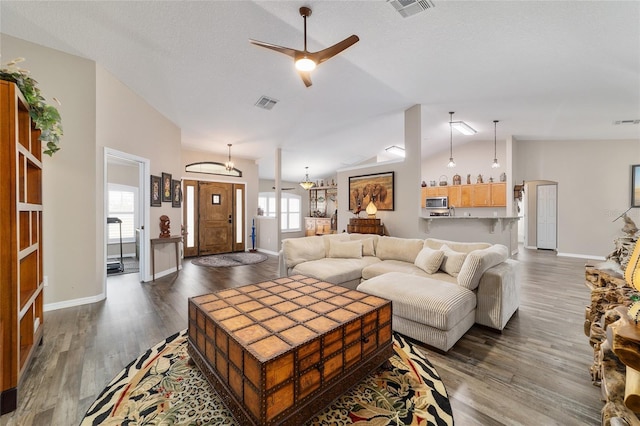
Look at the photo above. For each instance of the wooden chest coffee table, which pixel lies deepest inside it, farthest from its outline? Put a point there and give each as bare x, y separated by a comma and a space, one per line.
280, 351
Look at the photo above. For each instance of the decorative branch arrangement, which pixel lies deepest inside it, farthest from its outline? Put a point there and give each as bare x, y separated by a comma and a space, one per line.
45, 117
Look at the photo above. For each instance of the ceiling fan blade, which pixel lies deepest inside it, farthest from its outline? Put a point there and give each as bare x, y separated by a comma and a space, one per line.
330, 52
306, 77
286, 50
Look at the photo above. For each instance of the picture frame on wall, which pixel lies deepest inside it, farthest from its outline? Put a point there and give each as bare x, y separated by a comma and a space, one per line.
166, 187
378, 187
155, 192
635, 185
176, 193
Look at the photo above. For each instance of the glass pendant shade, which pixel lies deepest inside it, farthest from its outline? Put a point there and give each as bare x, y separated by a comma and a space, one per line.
306, 184
452, 163
229, 164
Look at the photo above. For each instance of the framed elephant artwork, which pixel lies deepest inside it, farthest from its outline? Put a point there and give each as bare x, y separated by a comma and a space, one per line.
377, 188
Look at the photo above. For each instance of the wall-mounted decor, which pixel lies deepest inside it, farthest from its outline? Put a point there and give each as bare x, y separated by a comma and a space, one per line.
166, 187
176, 193
212, 168
635, 185
155, 191
376, 187
215, 199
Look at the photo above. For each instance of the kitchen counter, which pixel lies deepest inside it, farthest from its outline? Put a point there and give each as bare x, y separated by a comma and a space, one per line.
491, 229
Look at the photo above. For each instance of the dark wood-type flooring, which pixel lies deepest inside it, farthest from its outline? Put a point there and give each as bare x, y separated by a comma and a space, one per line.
533, 373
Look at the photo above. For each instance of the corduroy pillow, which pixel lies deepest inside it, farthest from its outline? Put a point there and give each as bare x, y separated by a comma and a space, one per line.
453, 261
478, 261
345, 249
429, 260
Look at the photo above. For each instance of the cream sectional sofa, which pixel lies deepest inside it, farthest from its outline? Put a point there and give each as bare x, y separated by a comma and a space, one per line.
439, 288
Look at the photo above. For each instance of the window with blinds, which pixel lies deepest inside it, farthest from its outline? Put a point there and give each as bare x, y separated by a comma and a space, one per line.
122, 202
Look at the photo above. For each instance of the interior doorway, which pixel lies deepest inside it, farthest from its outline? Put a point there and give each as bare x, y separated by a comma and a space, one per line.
126, 188
213, 217
547, 216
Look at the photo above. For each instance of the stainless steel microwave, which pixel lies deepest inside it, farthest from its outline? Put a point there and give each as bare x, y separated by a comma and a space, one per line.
437, 203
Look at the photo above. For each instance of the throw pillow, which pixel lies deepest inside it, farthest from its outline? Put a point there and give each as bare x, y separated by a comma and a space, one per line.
478, 261
429, 260
453, 260
368, 248
345, 249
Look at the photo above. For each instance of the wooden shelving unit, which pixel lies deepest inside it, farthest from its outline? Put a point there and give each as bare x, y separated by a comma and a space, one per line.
21, 271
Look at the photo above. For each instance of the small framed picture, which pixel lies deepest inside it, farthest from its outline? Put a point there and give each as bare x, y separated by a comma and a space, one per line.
635, 185
155, 191
166, 187
176, 193
215, 199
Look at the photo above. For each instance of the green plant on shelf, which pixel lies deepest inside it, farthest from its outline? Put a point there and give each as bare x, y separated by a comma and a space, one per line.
45, 117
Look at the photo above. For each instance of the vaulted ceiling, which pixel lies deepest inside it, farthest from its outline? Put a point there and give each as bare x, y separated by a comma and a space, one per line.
548, 70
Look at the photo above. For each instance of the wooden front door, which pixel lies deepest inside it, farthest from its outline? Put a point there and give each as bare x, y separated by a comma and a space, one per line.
216, 218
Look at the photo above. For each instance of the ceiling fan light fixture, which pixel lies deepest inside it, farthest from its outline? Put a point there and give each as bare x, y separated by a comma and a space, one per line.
463, 128
305, 64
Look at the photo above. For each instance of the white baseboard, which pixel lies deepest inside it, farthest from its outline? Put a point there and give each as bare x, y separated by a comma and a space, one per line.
267, 252
582, 256
73, 302
161, 274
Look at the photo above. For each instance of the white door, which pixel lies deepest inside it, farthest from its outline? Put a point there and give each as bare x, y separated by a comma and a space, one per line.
547, 216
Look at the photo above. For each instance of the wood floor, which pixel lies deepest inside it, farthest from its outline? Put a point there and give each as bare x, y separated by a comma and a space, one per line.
533, 373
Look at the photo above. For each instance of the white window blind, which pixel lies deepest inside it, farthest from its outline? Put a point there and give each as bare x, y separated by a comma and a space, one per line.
122, 202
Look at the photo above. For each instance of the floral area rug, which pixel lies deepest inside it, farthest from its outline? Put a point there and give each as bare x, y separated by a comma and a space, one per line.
161, 388
230, 259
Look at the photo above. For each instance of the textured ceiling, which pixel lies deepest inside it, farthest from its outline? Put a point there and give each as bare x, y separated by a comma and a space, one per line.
546, 69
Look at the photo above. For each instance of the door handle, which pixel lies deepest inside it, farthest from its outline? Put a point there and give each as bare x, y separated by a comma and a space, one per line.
230, 219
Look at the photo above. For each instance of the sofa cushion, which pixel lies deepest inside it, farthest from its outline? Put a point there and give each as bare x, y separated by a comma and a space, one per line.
429, 260
386, 266
369, 242
345, 249
435, 243
298, 250
424, 300
453, 261
327, 238
478, 261
333, 270
393, 248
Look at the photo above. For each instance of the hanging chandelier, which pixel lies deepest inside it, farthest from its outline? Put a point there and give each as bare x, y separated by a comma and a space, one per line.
452, 163
306, 183
495, 164
229, 164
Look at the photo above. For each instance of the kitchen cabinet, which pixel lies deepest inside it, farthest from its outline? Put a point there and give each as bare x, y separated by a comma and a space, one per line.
473, 195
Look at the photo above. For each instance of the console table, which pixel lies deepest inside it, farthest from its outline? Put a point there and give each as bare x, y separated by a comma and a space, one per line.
365, 226
175, 239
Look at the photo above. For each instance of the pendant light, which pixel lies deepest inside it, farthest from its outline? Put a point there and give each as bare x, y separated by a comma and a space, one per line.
495, 164
306, 183
452, 163
229, 164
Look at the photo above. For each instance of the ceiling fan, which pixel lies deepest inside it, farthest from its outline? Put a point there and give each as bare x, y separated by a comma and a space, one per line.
306, 61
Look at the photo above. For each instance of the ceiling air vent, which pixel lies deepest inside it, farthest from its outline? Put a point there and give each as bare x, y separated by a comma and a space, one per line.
266, 102
625, 122
408, 8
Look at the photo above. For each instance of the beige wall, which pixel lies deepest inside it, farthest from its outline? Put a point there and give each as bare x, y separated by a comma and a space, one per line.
97, 111
69, 177
126, 123
593, 189
404, 220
